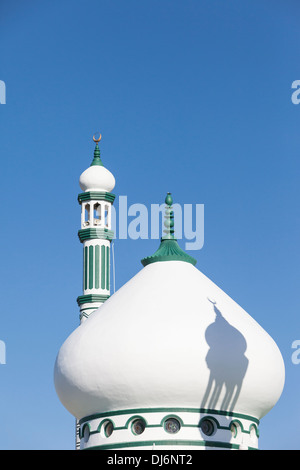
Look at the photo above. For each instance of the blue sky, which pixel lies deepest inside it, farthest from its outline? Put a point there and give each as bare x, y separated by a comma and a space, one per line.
191, 97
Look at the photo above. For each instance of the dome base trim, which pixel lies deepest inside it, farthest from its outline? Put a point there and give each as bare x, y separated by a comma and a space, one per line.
169, 410
168, 428
170, 445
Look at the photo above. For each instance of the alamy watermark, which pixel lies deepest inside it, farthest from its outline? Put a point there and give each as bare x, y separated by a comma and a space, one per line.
136, 221
2, 92
296, 353
296, 94
2, 352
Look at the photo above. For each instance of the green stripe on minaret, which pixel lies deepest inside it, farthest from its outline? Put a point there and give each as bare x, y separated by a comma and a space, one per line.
91, 267
85, 267
102, 267
97, 259
107, 268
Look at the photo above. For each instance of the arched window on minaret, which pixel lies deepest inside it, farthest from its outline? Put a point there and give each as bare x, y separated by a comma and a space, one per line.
97, 214
106, 209
85, 215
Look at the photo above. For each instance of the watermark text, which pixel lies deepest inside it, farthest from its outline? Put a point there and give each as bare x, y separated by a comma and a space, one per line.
2, 92
2, 352
296, 353
136, 221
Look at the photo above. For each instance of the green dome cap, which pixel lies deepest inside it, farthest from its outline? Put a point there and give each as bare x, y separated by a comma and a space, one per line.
97, 158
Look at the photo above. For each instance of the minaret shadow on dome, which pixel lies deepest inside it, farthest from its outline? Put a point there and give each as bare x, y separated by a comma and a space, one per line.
231, 351
169, 360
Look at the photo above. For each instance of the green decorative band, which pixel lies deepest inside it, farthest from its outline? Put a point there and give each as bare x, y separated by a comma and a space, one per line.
168, 410
181, 442
96, 196
90, 298
212, 415
86, 315
161, 424
94, 233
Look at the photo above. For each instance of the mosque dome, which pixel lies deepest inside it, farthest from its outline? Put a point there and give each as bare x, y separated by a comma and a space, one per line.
97, 177
171, 351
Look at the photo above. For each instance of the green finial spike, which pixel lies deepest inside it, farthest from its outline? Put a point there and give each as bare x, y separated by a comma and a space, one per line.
169, 219
97, 158
169, 250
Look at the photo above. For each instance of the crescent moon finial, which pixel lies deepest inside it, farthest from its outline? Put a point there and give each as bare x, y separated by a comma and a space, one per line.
97, 140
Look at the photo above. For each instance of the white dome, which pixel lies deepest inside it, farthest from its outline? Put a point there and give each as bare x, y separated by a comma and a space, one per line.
97, 178
169, 338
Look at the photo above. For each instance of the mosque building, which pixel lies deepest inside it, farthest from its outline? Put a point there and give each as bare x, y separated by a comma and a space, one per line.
168, 361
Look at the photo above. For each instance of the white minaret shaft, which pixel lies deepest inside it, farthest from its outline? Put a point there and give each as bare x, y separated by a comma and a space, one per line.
95, 235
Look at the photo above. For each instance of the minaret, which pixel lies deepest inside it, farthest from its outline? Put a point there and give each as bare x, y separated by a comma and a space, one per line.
95, 234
